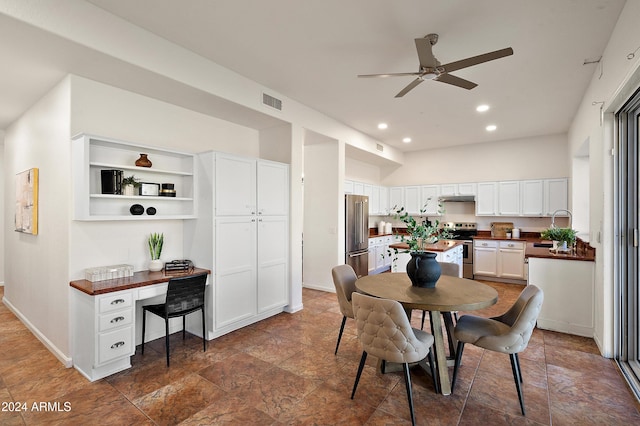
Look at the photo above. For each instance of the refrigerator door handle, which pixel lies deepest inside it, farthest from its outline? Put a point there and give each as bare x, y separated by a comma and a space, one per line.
364, 253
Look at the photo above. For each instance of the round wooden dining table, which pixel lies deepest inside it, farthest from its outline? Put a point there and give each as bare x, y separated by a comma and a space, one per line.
450, 294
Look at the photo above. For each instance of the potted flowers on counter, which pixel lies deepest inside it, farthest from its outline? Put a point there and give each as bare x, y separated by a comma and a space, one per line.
155, 242
563, 238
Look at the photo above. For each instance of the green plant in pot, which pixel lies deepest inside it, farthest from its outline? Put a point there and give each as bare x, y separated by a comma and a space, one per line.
565, 237
423, 269
129, 185
155, 242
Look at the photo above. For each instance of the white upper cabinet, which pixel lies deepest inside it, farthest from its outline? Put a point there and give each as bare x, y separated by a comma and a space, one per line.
237, 196
532, 197
412, 199
458, 189
348, 187
384, 200
358, 188
556, 195
273, 188
486, 198
509, 198
429, 199
396, 198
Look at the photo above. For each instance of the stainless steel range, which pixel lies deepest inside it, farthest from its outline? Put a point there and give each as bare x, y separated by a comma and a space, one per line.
464, 231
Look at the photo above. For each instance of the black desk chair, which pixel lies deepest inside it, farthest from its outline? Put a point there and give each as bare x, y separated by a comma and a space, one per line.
184, 296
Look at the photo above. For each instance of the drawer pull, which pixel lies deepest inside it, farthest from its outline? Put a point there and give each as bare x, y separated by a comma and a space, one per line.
511, 245
117, 345
485, 244
117, 301
117, 319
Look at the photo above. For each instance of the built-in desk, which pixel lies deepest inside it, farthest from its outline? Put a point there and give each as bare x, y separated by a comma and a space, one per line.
103, 314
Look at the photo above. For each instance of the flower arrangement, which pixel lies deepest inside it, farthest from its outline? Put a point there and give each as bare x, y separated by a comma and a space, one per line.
560, 234
155, 245
131, 180
419, 234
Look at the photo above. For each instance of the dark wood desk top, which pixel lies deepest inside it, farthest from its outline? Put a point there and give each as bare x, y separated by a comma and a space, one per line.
449, 294
139, 279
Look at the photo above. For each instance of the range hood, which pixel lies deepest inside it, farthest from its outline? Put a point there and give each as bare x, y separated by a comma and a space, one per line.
457, 198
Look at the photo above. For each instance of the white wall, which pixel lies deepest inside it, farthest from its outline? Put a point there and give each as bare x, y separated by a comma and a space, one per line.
322, 207
36, 268
2, 216
362, 172
530, 158
613, 82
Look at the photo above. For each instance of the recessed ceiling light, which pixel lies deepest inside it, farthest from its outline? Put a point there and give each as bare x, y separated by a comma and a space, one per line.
482, 108
406, 140
382, 126
491, 127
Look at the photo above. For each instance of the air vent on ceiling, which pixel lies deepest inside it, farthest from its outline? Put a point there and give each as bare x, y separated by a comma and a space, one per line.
272, 102
379, 147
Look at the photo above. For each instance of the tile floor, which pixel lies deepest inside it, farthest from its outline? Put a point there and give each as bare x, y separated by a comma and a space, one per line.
283, 371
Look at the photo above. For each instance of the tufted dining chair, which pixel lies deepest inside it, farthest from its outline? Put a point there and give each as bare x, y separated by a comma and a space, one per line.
344, 279
508, 333
384, 331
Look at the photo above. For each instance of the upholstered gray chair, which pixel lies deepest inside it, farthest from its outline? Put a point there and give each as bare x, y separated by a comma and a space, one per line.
508, 333
384, 331
344, 279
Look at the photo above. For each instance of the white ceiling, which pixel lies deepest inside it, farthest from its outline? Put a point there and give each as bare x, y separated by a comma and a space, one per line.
312, 52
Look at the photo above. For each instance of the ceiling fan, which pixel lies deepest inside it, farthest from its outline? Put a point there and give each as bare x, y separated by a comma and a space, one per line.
430, 68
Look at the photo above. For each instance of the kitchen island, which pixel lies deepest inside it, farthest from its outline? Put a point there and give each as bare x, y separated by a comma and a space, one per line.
446, 251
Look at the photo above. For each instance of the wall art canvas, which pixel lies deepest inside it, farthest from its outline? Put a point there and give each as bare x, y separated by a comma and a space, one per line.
27, 201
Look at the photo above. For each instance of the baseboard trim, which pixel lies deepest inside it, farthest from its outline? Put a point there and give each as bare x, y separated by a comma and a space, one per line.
67, 361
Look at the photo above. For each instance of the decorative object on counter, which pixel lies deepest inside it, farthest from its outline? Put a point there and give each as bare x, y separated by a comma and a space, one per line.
563, 238
508, 233
129, 185
180, 265
136, 209
381, 227
102, 273
167, 190
423, 269
111, 181
143, 161
500, 229
156, 241
515, 233
149, 189
388, 228
151, 211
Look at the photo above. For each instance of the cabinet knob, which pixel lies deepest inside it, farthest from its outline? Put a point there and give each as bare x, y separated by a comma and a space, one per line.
117, 301
117, 345
117, 319
484, 244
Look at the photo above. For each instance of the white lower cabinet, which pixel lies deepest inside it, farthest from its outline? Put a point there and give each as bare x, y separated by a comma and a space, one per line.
499, 258
379, 258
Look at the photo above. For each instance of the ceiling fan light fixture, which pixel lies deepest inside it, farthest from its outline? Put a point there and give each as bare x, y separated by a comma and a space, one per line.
428, 76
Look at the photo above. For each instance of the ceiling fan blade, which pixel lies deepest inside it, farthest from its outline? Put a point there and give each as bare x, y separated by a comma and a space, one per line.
425, 53
456, 81
475, 60
409, 87
396, 74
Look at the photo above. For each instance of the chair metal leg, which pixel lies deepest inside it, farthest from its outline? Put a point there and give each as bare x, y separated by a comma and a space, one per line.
407, 382
360, 367
344, 320
457, 364
383, 366
518, 365
166, 337
424, 313
184, 326
515, 367
204, 332
144, 323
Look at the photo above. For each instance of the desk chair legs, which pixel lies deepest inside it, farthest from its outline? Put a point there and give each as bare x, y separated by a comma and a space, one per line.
515, 368
344, 320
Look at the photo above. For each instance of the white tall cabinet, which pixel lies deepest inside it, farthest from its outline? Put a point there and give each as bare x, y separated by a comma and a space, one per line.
243, 236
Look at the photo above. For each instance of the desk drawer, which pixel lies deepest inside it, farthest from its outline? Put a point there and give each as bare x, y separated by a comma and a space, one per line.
115, 319
115, 302
115, 344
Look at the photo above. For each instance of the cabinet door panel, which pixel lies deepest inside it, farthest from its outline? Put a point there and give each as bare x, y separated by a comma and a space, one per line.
412, 199
511, 264
235, 184
273, 257
429, 199
485, 261
486, 198
532, 197
556, 197
273, 188
235, 281
509, 198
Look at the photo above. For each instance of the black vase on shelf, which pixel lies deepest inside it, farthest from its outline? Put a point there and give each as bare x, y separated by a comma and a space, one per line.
423, 269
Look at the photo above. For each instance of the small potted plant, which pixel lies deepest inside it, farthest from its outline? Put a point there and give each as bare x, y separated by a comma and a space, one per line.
563, 238
129, 185
155, 242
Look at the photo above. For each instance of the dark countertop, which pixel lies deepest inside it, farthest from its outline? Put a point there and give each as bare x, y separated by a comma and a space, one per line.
440, 246
139, 279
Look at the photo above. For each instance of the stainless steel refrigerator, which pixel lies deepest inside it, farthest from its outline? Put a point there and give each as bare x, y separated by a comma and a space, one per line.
357, 233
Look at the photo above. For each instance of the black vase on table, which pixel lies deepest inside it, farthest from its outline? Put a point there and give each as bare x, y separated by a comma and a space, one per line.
423, 269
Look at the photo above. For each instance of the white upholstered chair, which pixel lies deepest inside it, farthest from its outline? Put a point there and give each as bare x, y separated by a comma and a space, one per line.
508, 333
344, 279
384, 331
